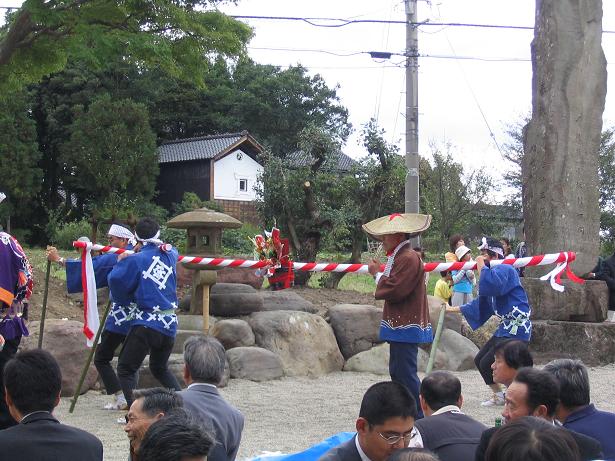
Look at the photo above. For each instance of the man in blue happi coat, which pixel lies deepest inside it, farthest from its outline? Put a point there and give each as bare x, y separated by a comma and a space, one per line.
148, 278
500, 293
119, 318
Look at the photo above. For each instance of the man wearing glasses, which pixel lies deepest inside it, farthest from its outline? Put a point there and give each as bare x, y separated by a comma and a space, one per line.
385, 423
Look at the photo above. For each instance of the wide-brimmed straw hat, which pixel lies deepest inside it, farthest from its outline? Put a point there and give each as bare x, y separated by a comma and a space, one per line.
398, 223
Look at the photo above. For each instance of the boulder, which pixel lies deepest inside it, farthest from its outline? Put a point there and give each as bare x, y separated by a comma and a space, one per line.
194, 322
240, 275
234, 299
304, 342
593, 343
254, 363
578, 303
64, 339
451, 320
102, 295
481, 335
376, 360
286, 300
459, 350
356, 327
233, 333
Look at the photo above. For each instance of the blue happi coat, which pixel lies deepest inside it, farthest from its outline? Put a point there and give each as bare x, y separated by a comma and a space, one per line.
118, 320
148, 278
500, 293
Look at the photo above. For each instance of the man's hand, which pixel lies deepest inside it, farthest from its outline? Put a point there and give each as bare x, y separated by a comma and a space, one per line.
480, 263
122, 256
454, 309
373, 267
52, 254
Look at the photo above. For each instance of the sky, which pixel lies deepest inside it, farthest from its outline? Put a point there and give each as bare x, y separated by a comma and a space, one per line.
461, 101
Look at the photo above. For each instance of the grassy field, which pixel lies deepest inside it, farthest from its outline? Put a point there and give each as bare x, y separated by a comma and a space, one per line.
38, 259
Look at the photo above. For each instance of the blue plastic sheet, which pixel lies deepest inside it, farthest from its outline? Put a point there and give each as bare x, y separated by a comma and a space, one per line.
312, 453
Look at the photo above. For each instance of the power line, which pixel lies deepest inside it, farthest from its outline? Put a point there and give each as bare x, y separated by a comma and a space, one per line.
345, 22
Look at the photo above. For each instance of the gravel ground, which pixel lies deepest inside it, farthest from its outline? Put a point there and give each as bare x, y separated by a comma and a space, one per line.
291, 414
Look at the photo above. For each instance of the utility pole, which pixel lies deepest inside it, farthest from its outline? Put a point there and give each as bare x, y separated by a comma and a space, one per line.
412, 110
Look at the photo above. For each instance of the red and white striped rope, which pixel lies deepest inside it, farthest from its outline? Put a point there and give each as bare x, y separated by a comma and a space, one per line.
562, 260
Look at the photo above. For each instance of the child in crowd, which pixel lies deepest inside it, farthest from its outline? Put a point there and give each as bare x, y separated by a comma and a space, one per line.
455, 242
463, 280
443, 289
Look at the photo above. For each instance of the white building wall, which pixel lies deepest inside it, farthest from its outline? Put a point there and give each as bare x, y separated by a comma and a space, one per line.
230, 171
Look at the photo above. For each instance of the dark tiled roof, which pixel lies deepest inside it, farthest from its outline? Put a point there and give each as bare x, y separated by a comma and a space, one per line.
196, 148
300, 159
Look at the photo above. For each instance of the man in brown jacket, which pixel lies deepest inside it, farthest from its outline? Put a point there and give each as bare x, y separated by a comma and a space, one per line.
405, 319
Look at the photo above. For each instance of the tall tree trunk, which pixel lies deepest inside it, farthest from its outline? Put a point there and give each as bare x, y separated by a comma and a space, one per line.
332, 279
561, 141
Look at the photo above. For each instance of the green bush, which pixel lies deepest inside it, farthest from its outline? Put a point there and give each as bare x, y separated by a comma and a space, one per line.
65, 234
176, 237
236, 241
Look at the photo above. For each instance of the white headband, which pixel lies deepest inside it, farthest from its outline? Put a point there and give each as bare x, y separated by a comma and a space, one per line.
155, 239
485, 246
121, 232
2, 197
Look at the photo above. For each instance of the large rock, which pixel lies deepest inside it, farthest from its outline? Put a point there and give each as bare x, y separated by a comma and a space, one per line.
593, 343
286, 300
562, 140
481, 335
451, 320
356, 327
233, 333
459, 350
234, 299
64, 339
305, 342
376, 360
194, 322
240, 275
586, 302
254, 363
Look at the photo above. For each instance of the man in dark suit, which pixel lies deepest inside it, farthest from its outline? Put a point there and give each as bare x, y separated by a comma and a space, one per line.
535, 392
445, 430
204, 362
33, 383
385, 423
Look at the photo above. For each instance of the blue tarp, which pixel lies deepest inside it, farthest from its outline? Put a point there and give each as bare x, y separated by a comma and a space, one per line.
312, 453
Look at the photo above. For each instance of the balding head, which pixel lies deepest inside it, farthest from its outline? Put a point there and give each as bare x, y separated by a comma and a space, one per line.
439, 389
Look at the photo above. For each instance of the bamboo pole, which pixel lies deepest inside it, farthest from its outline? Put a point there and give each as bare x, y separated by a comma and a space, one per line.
436, 339
41, 329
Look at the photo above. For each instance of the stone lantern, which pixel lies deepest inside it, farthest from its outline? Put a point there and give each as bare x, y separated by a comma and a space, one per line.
204, 228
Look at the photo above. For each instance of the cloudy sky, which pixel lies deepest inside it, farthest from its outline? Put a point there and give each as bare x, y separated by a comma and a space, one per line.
460, 100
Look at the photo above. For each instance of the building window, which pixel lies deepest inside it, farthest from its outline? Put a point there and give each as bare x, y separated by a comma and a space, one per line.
243, 185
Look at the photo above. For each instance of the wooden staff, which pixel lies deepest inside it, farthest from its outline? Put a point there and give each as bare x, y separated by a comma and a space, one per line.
44, 309
436, 339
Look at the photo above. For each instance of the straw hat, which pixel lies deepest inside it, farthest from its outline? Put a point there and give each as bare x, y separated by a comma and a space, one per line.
398, 223
461, 252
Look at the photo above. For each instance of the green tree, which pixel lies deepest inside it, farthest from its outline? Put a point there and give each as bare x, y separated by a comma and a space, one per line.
111, 155
373, 188
20, 179
177, 36
450, 194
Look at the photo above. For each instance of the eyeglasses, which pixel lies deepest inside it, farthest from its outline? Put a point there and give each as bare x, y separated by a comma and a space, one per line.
395, 438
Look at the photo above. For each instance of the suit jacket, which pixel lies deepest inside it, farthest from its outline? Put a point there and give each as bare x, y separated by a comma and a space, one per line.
347, 451
206, 404
41, 437
589, 447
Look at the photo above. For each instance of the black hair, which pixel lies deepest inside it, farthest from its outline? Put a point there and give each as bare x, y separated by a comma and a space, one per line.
532, 439
146, 228
515, 353
158, 400
33, 380
440, 388
542, 388
507, 241
453, 241
444, 274
413, 454
174, 437
385, 400
573, 381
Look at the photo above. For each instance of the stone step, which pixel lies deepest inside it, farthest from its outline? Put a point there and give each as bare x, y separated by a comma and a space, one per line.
593, 343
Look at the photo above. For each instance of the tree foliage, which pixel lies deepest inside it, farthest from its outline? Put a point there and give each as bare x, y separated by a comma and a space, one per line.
177, 36
20, 179
450, 194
